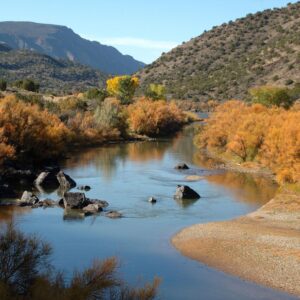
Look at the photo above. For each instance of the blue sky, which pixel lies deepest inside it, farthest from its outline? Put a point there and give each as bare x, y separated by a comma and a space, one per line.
141, 28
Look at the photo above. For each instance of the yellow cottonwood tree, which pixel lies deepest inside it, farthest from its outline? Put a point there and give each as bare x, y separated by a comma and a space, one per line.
122, 87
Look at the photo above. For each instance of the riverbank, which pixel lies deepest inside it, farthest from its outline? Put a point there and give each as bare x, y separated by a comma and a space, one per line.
263, 246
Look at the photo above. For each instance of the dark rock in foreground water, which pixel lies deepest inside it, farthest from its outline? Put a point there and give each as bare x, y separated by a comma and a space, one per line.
114, 214
185, 192
182, 166
75, 200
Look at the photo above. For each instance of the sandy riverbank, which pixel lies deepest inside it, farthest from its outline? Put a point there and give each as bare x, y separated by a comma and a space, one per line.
263, 247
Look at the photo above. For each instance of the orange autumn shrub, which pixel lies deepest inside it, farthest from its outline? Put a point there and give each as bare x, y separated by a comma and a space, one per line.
6, 150
29, 131
281, 148
84, 130
154, 118
256, 133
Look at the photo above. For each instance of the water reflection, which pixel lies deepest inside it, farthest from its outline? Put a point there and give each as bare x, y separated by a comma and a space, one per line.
246, 187
106, 159
10, 213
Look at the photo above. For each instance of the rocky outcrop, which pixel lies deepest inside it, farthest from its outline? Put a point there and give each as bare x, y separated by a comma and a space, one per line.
185, 192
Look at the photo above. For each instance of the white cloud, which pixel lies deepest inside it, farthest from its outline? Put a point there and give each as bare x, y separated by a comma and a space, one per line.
137, 42
141, 43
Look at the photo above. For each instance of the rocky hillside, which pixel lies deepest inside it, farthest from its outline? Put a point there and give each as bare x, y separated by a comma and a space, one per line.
62, 42
262, 48
53, 75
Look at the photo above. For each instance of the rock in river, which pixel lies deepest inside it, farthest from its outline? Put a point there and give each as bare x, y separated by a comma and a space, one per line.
185, 192
75, 200
100, 203
47, 179
92, 208
65, 181
152, 200
84, 188
182, 166
28, 199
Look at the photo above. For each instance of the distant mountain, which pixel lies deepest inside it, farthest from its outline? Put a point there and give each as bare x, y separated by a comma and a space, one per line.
62, 42
262, 48
53, 75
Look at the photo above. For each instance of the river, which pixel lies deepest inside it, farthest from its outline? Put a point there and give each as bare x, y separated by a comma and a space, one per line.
126, 175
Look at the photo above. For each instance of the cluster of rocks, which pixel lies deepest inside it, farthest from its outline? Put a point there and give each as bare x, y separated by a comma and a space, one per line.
183, 192
73, 203
76, 203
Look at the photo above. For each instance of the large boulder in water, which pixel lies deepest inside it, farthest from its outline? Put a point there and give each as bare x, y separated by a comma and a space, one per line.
28, 199
185, 192
75, 200
47, 178
65, 181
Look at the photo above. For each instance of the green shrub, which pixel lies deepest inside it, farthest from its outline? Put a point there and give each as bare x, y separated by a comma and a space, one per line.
156, 92
3, 85
110, 114
95, 93
271, 95
28, 85
289, 82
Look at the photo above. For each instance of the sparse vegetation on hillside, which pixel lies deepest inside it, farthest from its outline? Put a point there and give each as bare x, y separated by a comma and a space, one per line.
52, 75
224, 62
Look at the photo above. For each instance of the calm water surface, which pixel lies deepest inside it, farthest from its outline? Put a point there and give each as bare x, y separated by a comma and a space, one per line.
126, 175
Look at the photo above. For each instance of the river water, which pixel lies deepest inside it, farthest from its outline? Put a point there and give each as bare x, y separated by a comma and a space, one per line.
126, 175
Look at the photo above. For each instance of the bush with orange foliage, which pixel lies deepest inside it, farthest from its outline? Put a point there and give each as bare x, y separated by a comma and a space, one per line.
154, 118
268, 136
29, 131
